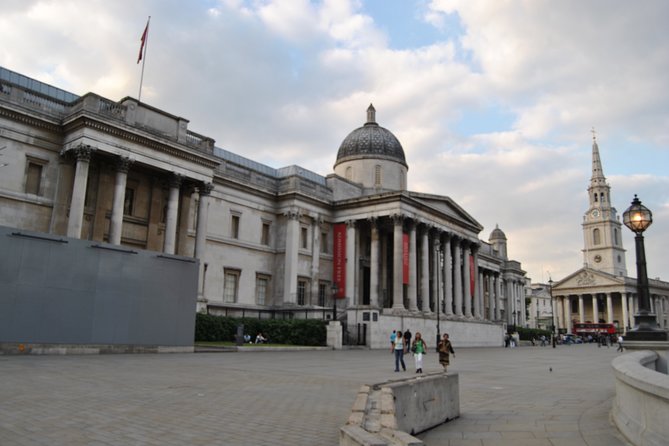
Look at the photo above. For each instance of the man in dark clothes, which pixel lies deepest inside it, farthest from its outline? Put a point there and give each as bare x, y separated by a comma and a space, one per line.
407, 340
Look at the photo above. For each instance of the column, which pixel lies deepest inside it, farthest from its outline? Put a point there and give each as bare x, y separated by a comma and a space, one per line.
425, 271
632, 310
435, 273
478, 296
491, 296
457, 277
467, 279
290, 257
413, 276
623, 305
498, 297
510, 302
595, 309
351, 263
398, 286
172, 212
374, 263
201, 235
581, 309
567, 313
76, 218
448, 275
316, 222
609, 308
559, 306
116, 223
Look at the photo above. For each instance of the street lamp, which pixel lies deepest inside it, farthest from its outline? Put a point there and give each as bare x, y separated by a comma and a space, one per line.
638, 218
550, 293
334, 301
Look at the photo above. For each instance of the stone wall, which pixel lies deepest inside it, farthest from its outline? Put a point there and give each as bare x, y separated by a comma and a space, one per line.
641, 406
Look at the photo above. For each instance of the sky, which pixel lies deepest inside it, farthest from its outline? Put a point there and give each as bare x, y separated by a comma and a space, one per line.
494, 102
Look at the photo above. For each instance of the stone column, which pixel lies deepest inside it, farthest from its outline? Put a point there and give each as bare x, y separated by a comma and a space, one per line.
560, 307
581, 309
595, 309
398, 286
467, 279
76, 219
116, 223
374, 263
316, 222
498, 297
351, 263
567, 311
623, 305
609, 308
291, 257
632, 310
457, 277
172, 212
478, 297
436, 289
425, 271
491, 296
412, 289
448, 275
201, 235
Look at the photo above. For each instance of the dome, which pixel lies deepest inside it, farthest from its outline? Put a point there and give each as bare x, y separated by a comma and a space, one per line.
371, 141
497, 234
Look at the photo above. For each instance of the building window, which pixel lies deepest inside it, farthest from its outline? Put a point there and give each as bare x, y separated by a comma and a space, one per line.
349, 173
230, 285
33, 178
234, 226
264, 235
304, 241
324, 242
403, 185
377, 176
596, 200
616, 240
596, 236
129, 201
302, 286
322, 293
262, 289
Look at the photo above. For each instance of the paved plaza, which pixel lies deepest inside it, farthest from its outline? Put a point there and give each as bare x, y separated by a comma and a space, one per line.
507, 397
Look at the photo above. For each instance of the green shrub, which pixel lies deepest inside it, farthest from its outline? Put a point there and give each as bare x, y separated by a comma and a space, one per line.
527, 333
278, 331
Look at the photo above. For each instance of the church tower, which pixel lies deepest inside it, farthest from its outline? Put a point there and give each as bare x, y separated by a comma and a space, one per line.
601, 224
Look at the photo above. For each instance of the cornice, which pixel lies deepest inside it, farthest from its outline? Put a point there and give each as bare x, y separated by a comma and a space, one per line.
30, 120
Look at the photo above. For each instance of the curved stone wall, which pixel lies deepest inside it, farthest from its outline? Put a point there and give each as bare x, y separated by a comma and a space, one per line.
641, 406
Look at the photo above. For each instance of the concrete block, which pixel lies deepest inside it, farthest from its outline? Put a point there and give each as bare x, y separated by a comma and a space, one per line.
360, 403
356, 436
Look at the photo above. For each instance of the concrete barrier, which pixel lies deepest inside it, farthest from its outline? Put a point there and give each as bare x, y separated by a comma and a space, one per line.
391, 413
641, 406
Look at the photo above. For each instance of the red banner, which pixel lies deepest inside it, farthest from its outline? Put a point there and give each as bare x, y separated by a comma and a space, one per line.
339, 260
405, 259
472, 277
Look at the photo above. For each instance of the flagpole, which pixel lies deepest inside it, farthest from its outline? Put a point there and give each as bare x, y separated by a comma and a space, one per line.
145, 44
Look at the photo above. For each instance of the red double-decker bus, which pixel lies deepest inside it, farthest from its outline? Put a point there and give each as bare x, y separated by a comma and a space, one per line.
594, 329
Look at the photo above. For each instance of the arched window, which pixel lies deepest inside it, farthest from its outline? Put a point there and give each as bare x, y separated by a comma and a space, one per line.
616, 239
602, 197
595, 197
403, 180
349, 173
596, 236
377, 176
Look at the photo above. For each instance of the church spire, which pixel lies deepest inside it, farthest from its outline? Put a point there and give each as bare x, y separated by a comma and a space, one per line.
598, 178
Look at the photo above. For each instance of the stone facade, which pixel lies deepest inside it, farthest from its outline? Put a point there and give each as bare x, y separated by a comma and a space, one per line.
129, 174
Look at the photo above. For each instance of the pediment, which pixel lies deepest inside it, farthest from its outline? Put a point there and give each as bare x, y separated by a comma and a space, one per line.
446, 206
588, 278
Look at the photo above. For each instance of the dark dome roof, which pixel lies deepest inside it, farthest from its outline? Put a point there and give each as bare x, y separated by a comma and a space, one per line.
371, 141
497, 234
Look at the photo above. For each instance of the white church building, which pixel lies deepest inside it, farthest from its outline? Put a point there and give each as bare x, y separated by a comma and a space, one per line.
270, 242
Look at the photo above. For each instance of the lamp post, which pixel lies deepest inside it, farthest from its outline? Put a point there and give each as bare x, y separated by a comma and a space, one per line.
334, 301
638, 218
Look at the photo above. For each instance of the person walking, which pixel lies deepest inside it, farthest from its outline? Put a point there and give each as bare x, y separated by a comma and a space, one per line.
620, 343
419, 348
445, 347
398, 349
393, 335
407, 340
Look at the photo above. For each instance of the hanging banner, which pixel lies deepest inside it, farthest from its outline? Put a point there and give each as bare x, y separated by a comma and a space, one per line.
472, 277
405, 259
339, 260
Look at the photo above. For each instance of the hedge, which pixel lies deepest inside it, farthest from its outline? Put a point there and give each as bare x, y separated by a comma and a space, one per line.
526, 334
279, 331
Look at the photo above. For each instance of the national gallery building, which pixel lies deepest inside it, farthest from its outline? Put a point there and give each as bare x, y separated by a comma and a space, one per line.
356, 244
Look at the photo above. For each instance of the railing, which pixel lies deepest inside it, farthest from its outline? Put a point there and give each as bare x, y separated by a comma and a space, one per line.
111, 109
